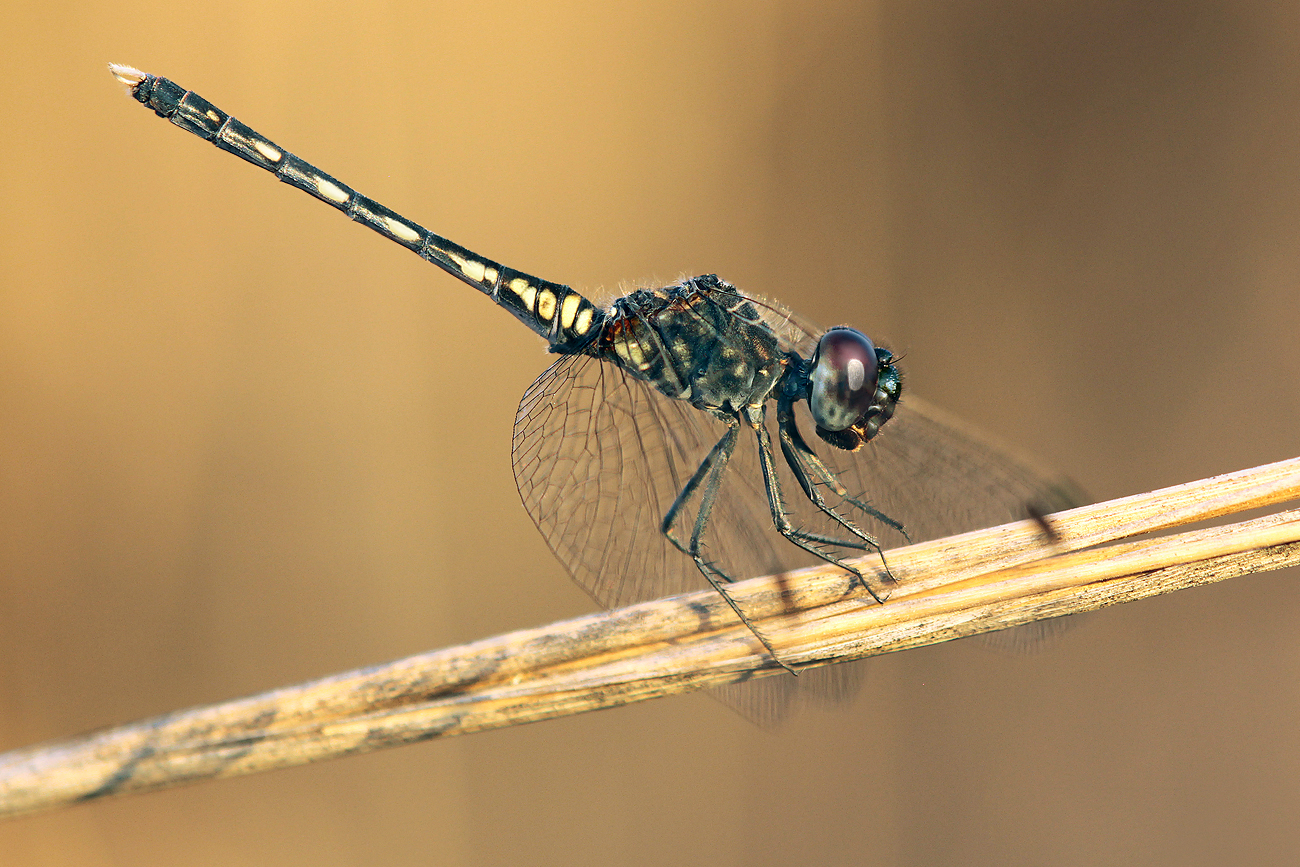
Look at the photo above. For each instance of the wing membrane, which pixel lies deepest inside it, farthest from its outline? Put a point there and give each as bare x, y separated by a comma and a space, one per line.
600, 456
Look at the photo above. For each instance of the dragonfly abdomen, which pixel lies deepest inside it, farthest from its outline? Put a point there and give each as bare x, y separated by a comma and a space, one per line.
562, 316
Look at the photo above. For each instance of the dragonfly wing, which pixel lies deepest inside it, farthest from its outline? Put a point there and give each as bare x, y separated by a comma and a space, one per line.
599, 459
938, 476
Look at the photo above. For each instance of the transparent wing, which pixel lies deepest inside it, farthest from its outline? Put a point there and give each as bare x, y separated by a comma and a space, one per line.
938, 476
599, 458
926, 469
935, 476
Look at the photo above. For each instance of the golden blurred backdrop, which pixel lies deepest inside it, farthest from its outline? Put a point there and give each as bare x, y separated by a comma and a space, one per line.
244, 443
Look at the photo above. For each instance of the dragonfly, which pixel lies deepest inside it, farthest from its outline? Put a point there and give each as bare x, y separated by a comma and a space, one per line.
666, 443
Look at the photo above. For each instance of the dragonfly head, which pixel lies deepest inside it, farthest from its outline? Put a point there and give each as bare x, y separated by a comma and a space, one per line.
853, 387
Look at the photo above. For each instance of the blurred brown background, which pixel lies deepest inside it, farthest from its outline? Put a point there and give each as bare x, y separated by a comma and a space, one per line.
244, 443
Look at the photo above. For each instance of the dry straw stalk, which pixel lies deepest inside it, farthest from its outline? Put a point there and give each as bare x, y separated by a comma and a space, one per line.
949, 588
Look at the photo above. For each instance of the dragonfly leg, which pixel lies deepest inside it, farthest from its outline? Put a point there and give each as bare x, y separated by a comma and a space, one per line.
797, 454
814, 543
709, 474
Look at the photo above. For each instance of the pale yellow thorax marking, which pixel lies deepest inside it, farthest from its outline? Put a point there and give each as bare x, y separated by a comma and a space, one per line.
631, 352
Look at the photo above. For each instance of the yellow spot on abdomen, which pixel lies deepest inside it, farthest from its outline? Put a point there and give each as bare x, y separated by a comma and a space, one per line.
568, 310
267, 151
401, 230
333, 192
524, 290
584, 321
471, 268
545, 305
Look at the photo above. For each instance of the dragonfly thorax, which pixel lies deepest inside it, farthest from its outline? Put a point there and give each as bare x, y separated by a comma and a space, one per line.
700, 341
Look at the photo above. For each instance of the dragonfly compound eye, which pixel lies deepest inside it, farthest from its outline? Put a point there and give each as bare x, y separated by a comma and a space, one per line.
844, 374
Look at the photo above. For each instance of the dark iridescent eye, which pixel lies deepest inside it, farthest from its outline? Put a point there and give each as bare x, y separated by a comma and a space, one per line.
843, 378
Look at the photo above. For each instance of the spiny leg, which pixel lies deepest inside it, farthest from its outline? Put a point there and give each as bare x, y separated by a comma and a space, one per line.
667, 526
756, 417
710, 473
800, 458
867, 541
797, 453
